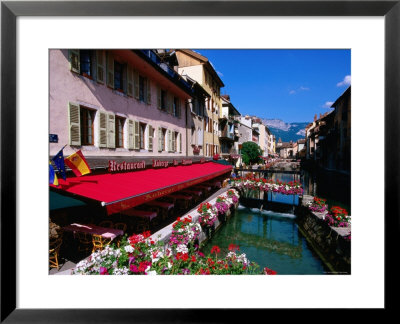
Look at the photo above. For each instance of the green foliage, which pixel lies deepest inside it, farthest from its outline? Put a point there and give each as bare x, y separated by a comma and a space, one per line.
251, 153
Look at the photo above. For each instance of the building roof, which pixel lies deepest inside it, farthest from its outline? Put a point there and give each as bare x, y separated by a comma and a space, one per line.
205, 61
346, 93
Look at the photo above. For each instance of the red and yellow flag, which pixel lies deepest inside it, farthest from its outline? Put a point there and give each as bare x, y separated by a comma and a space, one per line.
78, 164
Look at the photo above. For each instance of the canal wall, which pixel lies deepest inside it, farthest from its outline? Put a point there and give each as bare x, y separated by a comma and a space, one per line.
330, 243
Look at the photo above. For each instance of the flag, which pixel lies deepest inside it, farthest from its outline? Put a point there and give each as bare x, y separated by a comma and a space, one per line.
78, 164
52, 175
58, 160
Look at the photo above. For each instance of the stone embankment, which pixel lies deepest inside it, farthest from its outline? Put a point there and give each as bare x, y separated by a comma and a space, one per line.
330, 243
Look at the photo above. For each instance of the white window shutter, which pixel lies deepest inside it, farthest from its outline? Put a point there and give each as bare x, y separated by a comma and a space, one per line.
110, 70
148, 91
102, 129
131, 134
160, 139
74, 60
74, 124
137, 130
136, 82
150, 138
173, 146
169, 140
111, 131
100, 66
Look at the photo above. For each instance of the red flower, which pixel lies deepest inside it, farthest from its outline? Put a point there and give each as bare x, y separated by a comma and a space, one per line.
268, 271
215, 249
193, 259
182, 256
233, 247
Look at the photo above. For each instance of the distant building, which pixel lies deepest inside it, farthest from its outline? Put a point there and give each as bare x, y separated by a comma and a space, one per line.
285, 150
228, 129
199, 68
328, 138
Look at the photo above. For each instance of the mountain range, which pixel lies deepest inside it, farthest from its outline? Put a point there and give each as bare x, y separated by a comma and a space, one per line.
286, 131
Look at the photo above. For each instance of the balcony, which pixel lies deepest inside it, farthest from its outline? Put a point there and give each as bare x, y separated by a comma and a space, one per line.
155, 59
226, 150
226, 135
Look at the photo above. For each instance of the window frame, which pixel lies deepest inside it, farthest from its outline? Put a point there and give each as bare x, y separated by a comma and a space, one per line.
119, 133
84, 127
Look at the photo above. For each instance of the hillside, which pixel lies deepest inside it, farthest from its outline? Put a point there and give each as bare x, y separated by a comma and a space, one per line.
286, 131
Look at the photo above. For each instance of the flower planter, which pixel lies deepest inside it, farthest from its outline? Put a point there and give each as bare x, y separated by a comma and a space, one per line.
221, 217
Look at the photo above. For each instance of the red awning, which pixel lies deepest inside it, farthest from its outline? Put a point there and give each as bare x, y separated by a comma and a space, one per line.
121, 191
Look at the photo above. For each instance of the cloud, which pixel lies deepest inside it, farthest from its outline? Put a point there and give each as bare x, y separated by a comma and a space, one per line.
299, 90
346, 81
327, 104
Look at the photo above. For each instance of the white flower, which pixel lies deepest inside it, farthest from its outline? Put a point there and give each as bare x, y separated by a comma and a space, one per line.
129, 249
182, 248
152, 273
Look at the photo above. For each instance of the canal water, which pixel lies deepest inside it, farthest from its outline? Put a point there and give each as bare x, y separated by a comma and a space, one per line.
270, 239
273, 239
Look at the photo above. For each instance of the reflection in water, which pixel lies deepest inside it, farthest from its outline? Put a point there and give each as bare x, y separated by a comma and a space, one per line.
270, 239
334, 187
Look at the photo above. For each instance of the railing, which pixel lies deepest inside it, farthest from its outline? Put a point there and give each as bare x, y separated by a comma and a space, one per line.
226, 134
164, 66
225, 150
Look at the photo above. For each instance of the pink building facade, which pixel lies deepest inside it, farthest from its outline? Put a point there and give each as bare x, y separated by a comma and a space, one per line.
116, 104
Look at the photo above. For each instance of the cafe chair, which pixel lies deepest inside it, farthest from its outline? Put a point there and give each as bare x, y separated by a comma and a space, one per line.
85, 241
141, 226
54, 252
120, 226
106, 223
99, 242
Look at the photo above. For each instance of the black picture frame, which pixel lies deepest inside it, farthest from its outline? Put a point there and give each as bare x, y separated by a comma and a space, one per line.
10, 10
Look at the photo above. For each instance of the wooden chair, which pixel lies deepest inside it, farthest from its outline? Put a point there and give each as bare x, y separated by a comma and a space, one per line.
85, 241
106, 223
54, 252
120, 226
99, 242
141, 225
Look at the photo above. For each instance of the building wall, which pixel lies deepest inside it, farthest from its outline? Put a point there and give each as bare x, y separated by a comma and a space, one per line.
67, 86
198, 73
245, 130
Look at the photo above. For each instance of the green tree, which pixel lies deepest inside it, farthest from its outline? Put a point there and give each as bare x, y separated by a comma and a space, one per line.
251, 153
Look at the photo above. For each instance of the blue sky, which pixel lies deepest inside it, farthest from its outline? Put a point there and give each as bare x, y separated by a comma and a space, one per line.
292, 85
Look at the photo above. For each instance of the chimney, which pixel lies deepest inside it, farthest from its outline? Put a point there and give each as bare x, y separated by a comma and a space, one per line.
315, 117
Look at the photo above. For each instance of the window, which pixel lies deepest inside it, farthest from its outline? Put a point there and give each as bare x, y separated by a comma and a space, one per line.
82, 62
118, 76
142, 129
176, 107
86, 64
163, 100
193, 138
142, 88
119, 131
87, 118
161, 139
